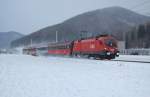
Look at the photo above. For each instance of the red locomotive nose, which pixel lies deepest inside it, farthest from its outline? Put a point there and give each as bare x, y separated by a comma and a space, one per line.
112, 50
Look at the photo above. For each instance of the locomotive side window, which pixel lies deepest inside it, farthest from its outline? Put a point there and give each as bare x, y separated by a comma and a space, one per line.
111, 43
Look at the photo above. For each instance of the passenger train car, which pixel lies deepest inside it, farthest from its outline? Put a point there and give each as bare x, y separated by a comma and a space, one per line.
60, 48
103, 47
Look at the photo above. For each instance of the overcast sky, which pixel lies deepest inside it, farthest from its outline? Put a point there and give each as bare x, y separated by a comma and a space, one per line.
26, 16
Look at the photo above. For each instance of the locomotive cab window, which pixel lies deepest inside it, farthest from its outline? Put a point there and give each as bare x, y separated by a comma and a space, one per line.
110, 42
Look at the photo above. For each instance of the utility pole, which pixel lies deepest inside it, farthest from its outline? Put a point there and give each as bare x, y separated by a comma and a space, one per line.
124, 38
56, 37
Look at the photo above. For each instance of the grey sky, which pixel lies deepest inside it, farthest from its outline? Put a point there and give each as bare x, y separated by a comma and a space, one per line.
27, 16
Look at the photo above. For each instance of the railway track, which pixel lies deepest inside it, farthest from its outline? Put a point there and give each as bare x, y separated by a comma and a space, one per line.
131, 61
136, 61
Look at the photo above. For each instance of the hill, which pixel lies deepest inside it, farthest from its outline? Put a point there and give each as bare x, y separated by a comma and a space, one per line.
7, 37
112, 20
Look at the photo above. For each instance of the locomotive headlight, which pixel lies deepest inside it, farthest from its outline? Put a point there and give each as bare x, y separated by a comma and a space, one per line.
108, 53
117, 53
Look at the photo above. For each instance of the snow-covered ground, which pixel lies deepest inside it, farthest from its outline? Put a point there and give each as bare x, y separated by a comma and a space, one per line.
28, 76
134, 58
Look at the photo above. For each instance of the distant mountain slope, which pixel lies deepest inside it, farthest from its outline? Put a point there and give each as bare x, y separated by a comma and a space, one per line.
112, 20
7, 37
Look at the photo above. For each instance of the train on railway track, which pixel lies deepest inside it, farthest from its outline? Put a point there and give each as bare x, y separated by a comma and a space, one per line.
102, 46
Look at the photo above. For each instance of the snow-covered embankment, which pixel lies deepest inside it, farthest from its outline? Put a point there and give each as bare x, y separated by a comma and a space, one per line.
28, 76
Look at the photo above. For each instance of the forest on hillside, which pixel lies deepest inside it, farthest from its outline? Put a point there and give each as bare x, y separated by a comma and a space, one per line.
138, 37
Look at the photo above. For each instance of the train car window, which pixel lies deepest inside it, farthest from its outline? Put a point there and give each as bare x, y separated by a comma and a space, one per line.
110, 42
68, 46
42, 48
64, 46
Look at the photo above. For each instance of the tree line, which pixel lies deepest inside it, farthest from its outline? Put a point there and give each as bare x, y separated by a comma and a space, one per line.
138, 37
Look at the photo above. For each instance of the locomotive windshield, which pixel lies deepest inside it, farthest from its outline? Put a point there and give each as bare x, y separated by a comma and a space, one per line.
110, 42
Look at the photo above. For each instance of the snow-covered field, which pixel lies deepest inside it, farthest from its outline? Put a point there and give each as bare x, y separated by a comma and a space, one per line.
28, 76
134, 58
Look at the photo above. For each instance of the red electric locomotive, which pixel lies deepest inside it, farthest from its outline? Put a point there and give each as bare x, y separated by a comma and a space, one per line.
104, 47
